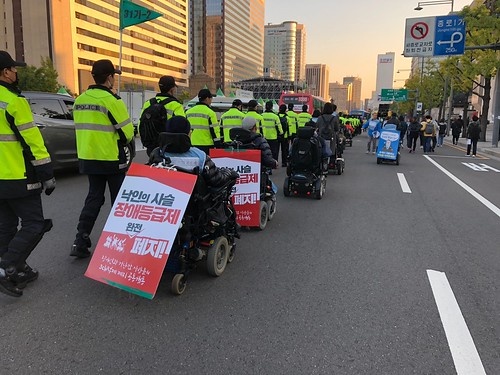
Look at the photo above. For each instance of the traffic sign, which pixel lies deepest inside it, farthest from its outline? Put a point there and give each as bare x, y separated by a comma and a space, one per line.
450, 36
419, 36
434, 36
397, 95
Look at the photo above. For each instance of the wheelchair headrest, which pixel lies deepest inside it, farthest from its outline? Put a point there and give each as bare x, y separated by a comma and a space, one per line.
239, 134
176, 143
305, 132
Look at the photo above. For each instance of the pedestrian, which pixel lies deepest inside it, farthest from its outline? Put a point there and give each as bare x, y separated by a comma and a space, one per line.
25, 170
314, 119
303, 117
429, 131
103, 129
473, 133
203, 120
374, 127
232, 118
436, 132
252, 112
271, 129
328, 126
173, 107
293, 122
441, 132
413, 134
284, 139
456, 129
403, 128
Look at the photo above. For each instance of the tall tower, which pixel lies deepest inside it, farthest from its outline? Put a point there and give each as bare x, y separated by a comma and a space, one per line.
385, 73
317, 77
300, 54
280, 44
220, 33
355, 99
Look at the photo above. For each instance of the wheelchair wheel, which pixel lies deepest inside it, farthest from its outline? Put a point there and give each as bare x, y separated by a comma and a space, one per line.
340, 169
263, 214
271, 203
379, 161
230, 258
286, 189
217, 256
397, 159
319, 189
178, 285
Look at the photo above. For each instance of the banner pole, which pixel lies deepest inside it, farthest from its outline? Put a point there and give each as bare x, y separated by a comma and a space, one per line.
120, 61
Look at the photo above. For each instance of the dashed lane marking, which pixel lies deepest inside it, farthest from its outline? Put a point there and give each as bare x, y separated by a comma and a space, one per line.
404, 184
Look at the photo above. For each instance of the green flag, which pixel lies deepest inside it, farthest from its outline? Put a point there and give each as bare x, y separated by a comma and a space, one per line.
133, 14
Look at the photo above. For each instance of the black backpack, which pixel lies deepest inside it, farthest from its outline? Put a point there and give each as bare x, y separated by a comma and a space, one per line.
284, 122
429, 128
305, 150
153, 122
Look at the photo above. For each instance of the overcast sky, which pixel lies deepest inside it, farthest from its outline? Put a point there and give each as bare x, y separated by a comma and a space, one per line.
347, 35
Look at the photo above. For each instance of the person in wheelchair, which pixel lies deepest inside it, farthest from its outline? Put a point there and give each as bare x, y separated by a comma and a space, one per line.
248, 137
308, 152
175, 144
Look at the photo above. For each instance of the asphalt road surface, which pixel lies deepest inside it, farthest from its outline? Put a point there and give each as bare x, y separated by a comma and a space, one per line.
394, 271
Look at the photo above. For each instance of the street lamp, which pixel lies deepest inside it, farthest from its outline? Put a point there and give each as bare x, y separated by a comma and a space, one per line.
422, 4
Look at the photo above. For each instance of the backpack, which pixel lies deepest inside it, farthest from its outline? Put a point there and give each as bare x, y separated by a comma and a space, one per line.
306, 151
429, 128
153, 122
414, 127
284, 122
442, 128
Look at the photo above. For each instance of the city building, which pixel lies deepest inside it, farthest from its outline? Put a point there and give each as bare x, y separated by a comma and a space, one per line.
267, 88
385, 74
317, 77
340, 94
75, 33
285, 50
220, 31
355, 98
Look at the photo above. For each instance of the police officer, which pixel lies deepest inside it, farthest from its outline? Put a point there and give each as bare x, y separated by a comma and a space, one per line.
292, 122
271, 129
252, 112
303, 117
25, 169
284, 139
173, 106
203, 120
103, 129
232, 118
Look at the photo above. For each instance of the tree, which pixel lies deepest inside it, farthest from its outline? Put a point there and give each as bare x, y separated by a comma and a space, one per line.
473, 71
43, 78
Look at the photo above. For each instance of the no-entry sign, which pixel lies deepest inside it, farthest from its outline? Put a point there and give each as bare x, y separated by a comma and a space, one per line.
419, 36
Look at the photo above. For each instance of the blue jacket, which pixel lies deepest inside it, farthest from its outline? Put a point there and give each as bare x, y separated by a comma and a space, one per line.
372, 125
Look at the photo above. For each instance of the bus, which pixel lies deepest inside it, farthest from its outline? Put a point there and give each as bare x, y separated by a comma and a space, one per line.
359, 113
299, 99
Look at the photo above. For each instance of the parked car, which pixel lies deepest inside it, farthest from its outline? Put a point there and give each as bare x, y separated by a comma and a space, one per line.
53, 114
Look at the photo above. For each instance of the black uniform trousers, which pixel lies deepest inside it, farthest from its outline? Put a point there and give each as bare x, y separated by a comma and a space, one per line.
17, 245
274, 145
94, 201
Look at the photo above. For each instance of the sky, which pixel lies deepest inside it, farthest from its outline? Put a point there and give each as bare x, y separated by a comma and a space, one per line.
347, 35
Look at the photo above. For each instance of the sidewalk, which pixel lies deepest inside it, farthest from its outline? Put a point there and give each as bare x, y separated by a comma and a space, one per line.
482, 147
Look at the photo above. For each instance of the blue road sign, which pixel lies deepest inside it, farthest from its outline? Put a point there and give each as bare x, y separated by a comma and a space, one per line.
449, 36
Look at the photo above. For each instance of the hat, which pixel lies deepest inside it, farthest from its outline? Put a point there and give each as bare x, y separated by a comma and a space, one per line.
237, 102
205, 93
178, 124
6, 61
249, 122
104, 67
166, 83
252, 103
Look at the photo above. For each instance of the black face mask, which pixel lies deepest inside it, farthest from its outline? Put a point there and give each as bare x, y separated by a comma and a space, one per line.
16, 81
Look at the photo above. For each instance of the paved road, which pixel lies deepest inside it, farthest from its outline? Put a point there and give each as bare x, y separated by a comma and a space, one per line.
344, 285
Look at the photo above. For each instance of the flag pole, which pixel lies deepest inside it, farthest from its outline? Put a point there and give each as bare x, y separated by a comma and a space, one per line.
120, 61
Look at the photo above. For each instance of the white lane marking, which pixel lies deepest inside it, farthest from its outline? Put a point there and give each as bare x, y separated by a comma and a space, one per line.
467, 188
404, 184
463, 350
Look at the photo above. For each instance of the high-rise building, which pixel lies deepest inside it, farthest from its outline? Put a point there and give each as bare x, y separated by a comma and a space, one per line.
341, 94
355, 99
317, 77
75, 33
285, 50
385, 73
226, 39
280, 42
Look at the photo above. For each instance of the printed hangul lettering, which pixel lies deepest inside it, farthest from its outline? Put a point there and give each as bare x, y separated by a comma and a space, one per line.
126, 195
440, 23
163, 200
145, 212
139, 246
158, 214
142, 197
449, 23
161, 248
172, 216
134, 227
127, 210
